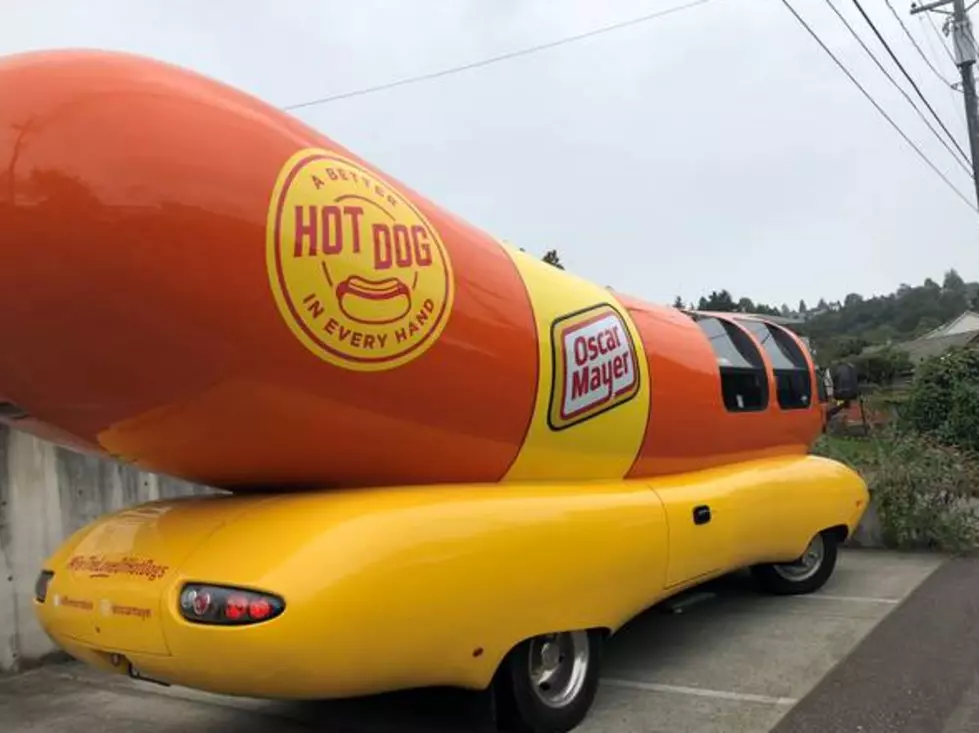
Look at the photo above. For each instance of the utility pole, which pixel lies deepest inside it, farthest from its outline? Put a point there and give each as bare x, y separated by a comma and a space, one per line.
965, 58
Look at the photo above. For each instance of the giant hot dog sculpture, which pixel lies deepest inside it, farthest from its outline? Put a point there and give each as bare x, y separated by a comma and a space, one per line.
198, 283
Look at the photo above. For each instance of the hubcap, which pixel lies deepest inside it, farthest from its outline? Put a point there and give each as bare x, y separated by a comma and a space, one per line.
807, 565
558, 665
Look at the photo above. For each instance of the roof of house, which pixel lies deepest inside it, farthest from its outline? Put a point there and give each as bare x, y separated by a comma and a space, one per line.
957, 325
926, 346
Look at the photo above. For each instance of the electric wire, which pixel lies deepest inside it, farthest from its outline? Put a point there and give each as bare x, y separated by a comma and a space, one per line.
907, 76
880, 109
914, 43
897, 86
952, 91
938, 33
496, 59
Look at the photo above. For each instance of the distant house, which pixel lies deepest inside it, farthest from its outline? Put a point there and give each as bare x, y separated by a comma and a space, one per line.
960, 331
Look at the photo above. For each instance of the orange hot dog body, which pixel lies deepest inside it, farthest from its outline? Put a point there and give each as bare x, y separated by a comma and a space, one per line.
200, 284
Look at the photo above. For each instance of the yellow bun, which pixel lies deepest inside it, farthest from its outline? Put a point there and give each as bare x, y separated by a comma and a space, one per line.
376, 302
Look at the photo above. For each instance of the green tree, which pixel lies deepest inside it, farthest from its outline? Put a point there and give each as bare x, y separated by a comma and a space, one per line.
944, 398
678, 303
718, 300
551, 258
953, 281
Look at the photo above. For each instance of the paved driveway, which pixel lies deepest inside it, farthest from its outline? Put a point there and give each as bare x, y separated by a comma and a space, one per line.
734, 661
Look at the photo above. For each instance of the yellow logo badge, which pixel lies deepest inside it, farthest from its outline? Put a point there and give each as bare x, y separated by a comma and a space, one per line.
359, 274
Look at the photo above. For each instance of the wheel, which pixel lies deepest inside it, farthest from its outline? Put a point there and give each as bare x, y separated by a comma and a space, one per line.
807, 574
547, 684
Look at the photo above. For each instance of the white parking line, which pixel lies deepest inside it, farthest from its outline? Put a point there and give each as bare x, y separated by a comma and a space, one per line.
854, 599
698, 692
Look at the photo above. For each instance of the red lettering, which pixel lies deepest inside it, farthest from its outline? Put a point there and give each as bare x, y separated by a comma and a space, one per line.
343, 174
331, 326
332, 174
332, 230
607, 375
382, 247
610, 339
618, 366
318, 182
354, 212
596, 379
355, 339
579, 383
306, 229
382, 338
369, 341
421, 245
580, 351
314, 307
592, 347
402, 246
344, 333
399, 336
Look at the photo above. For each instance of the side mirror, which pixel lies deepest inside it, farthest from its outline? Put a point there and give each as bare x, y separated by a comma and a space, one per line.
846, 385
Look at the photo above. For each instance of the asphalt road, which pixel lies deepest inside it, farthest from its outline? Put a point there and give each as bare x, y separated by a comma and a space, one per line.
891, 644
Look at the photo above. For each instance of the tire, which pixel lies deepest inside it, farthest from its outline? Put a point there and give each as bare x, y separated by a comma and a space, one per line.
807, 574
525, 703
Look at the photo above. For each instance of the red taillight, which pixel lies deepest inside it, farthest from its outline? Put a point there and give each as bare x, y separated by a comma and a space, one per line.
211, 604
260, 609
236, 607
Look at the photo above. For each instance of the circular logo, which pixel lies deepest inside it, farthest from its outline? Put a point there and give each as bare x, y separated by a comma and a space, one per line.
359, 274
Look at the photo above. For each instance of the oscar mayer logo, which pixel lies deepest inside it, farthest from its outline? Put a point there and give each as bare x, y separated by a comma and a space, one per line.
595, 368
359, 274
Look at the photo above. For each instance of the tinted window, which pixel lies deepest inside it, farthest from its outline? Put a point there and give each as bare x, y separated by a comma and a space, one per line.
744, 384
793, 381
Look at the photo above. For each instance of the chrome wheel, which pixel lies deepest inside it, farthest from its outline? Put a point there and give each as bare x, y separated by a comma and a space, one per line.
558, 666
807, 565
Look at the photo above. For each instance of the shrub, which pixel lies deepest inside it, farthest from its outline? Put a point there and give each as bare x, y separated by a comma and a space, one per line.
944, 399
925, 492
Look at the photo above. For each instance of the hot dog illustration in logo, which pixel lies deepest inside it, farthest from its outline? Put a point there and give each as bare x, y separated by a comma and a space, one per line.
594, 365
360, 275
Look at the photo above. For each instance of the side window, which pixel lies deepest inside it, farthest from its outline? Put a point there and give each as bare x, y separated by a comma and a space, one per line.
793, 380
744, 384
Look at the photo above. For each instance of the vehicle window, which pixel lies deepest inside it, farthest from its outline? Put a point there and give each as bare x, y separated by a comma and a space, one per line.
793, 380
744, 384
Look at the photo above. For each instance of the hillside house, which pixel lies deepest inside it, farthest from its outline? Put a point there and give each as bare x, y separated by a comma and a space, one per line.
960, 331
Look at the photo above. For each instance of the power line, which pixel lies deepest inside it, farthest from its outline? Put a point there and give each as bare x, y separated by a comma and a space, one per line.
496, 59
915, 43
877, 106
907, 76
952, 91
897, 86
941, 41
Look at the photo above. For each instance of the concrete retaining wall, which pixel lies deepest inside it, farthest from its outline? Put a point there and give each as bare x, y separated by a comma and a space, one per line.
46, 493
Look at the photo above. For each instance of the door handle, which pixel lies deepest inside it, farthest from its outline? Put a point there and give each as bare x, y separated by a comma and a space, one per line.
701, 514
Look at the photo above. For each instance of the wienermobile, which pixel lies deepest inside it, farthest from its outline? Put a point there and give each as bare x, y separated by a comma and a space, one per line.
445, 462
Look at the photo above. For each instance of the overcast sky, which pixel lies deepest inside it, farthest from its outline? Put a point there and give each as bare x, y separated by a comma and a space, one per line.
718, 147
